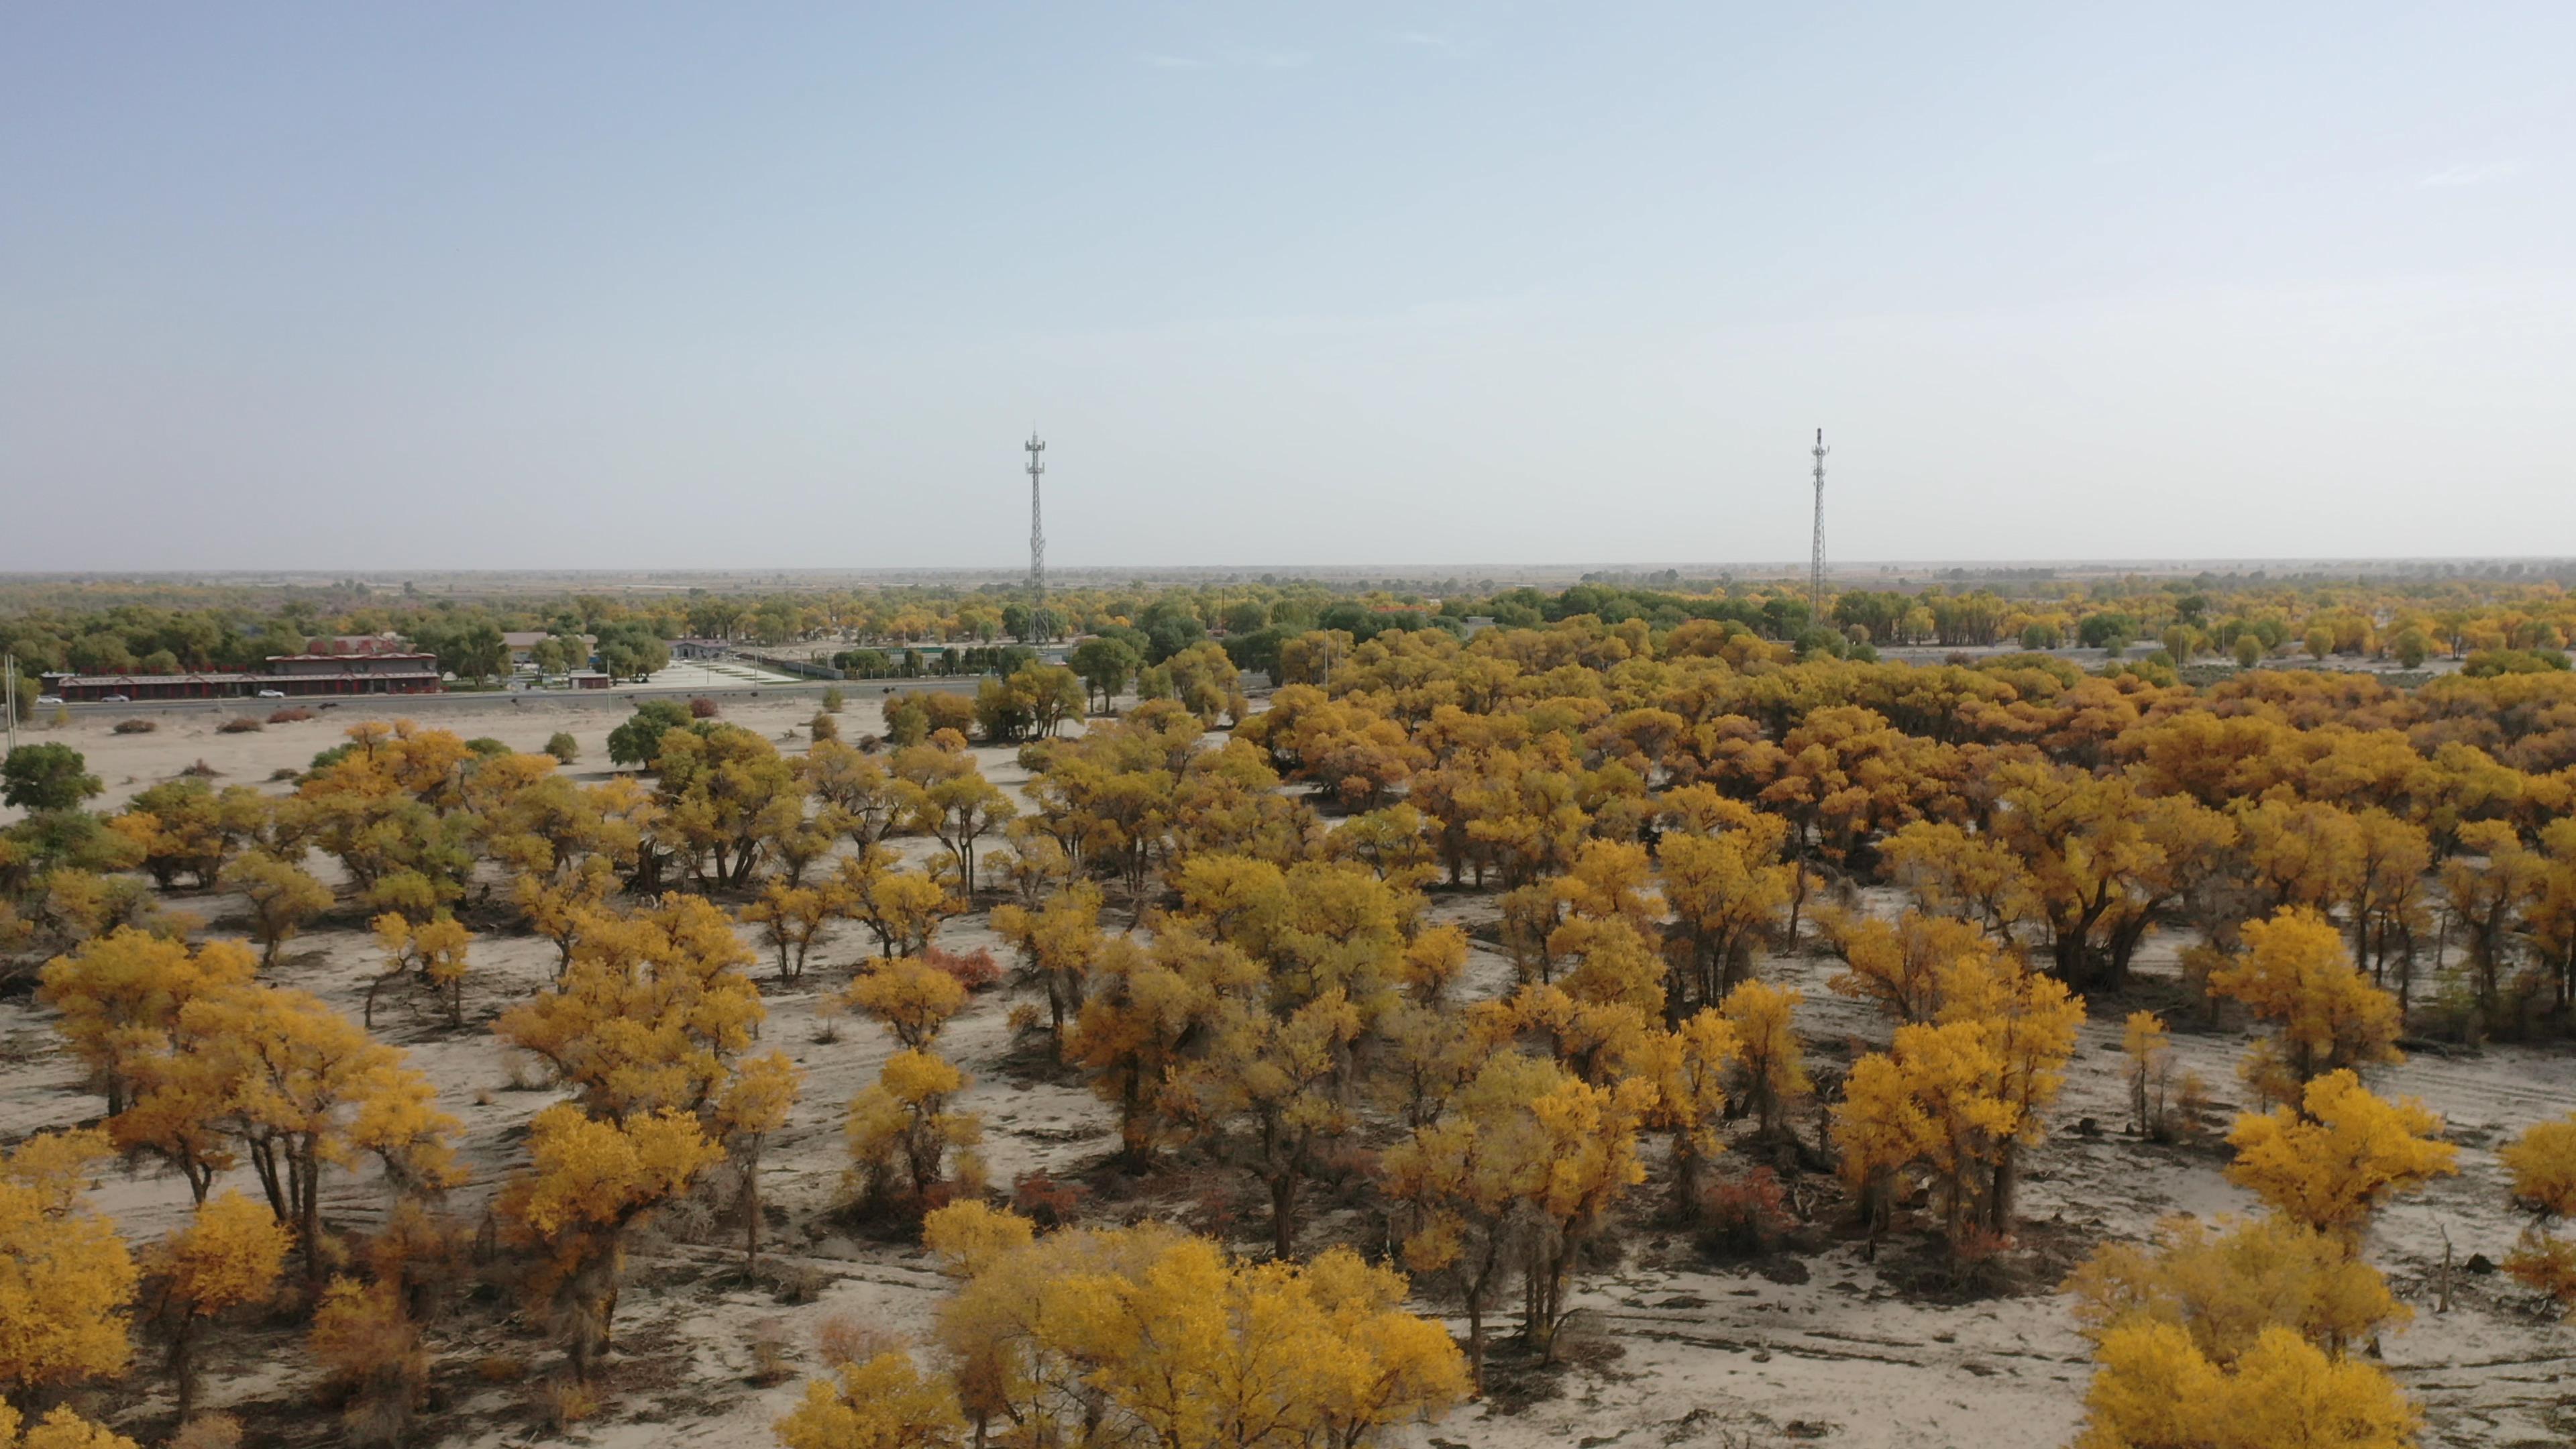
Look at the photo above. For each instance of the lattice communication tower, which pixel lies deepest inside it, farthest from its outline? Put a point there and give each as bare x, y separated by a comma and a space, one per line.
1037, 521
1816, 557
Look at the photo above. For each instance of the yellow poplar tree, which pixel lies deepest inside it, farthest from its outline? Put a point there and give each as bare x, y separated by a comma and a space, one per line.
66, 1279
2326, 1015
2333, 1161
228, 1255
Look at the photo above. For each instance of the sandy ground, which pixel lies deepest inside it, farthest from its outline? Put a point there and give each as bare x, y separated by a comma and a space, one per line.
1678, 1350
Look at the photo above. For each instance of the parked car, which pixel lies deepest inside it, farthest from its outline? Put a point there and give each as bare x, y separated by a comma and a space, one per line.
49, 699
272, 694
114, 699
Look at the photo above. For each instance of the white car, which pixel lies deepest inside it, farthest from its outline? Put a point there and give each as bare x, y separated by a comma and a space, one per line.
272, 694
49, 699
114, 699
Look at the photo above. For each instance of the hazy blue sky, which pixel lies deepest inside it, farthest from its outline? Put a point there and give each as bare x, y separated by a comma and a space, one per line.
387, 285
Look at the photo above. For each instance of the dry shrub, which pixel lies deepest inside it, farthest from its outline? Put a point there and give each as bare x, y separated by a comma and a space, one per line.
2191, 1105
1976, 1259
240, 724
561, 1403
284, 772
289, 715
202, 770
1052, 1204
1025, 1017
373, 1356
1745, 1216
500, 1368
133, 727
209, 1431
771, 1360
796, 1282
702, 708
828, 1012
524, 1073
975, 970
823, 727
842, 1340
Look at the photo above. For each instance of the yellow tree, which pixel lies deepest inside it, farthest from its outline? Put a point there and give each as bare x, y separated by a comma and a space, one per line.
727, 796
1898, 966
2148, 1044
1692, 1086
1587, 1146
1146, 1003
120, 996
755, 1104
588, 1182
909, 997
59, 1429
901, 908
1146, 1335
228, 1255
2327, 1016
1461, 1179
1770, 1065
901, 1130
885, 1403
2542, 1163
282, 897
1726, 890
1960, 1098
2155, 1390
559, 906
66, 1279
1269, 1092
651, 1012
2334, 1159
305, 1088
793, 919
951, 801
1059, 944
433, 951
2226, 1282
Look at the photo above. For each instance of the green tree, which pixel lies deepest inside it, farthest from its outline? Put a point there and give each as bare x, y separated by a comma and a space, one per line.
1105, 665
49, 776
639, 740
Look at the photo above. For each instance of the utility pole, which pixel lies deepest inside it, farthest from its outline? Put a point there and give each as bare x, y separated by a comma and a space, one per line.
9, 699
1037, 523
1816, 560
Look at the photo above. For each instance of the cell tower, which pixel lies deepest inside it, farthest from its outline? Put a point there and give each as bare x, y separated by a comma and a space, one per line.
1816, 560
1037, 521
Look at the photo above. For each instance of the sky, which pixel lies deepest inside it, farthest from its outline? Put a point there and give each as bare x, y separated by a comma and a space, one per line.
621, 286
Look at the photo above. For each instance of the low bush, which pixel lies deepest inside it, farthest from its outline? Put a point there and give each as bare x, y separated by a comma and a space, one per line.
240, 725
563, 747
134, 727
703, 708
289, 715
975, 970
1049, 1203
1745, 1215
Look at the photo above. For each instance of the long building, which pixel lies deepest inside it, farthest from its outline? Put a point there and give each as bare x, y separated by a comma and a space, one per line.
292, 675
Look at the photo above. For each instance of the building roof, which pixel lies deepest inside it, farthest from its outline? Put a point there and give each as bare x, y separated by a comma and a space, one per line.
343, 658
86, 680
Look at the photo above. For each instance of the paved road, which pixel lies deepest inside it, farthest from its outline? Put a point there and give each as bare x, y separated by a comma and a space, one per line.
856, 689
